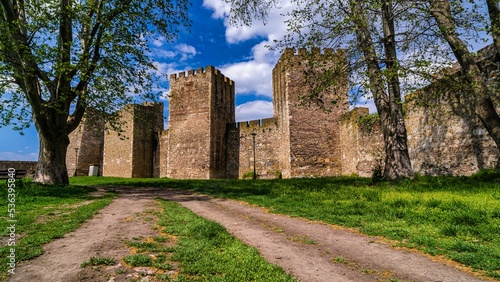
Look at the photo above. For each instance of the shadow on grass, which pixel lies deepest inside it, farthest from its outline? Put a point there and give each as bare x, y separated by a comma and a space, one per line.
262, 187
27, 188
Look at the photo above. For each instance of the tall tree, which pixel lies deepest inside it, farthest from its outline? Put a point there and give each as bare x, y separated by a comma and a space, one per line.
366, 29
481, 91
60, 57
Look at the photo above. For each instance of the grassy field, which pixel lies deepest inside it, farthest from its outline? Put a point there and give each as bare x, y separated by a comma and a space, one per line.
42, 214
458, 218
454, 217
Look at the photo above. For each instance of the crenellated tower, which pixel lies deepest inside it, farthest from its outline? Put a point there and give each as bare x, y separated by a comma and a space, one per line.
310, 94
201, 104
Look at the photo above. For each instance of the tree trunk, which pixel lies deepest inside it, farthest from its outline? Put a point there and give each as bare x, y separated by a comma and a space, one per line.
477, 85
51, 167
54, 141
397, 161
494, 12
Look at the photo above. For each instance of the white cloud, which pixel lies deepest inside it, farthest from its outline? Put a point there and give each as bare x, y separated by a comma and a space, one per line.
159, 41
13, 156
186, 49
250, 77
254, 110
160, 53
183, 51
254, 75
220, 8
274, 27
166, 68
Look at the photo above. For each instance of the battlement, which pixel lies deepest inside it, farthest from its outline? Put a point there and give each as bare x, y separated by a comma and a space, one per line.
253, 124
201, 71
314, 53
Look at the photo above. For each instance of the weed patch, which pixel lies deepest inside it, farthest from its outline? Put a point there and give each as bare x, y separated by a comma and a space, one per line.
96, 261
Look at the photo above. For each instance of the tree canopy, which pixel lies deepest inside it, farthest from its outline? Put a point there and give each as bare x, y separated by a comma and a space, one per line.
58, 58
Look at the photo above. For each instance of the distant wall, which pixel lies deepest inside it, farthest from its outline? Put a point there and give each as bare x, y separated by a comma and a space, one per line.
201, 104
164, 146
148, 123
86, 146
28, 166
444, 138
117, 153
267, 141
134, 151
444, 135
362, 143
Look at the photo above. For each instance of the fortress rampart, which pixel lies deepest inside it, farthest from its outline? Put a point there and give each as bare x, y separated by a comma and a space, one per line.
312, 132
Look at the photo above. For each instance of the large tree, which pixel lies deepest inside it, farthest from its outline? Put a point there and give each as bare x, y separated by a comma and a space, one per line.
367, 30
480, 90
61, 57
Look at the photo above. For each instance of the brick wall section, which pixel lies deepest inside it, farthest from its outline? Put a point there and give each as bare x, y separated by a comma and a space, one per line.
445, 138
281, 111
362, 145
148, 123
164, 146
201, 104
313, 124
28, 166
88, 138
117, 153
266, 143
444, 135
133, 152
232, 151
222, 112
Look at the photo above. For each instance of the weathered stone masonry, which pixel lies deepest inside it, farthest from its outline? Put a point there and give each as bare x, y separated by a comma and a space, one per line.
201, 104
135, 152
305, 137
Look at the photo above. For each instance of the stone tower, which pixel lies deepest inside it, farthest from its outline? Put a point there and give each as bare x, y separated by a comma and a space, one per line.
310, 95
135, 152
201, 104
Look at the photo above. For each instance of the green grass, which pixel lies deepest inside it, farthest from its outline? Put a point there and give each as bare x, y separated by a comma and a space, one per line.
205, 251
455, 217
96, 261
44, 213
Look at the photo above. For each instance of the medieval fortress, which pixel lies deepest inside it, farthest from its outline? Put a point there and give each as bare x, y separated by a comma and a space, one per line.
306, 137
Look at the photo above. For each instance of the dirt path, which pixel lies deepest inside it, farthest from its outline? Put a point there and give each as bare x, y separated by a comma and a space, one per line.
308, 250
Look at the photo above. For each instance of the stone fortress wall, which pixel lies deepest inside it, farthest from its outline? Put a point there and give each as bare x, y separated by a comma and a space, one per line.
445, 137
305, 137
